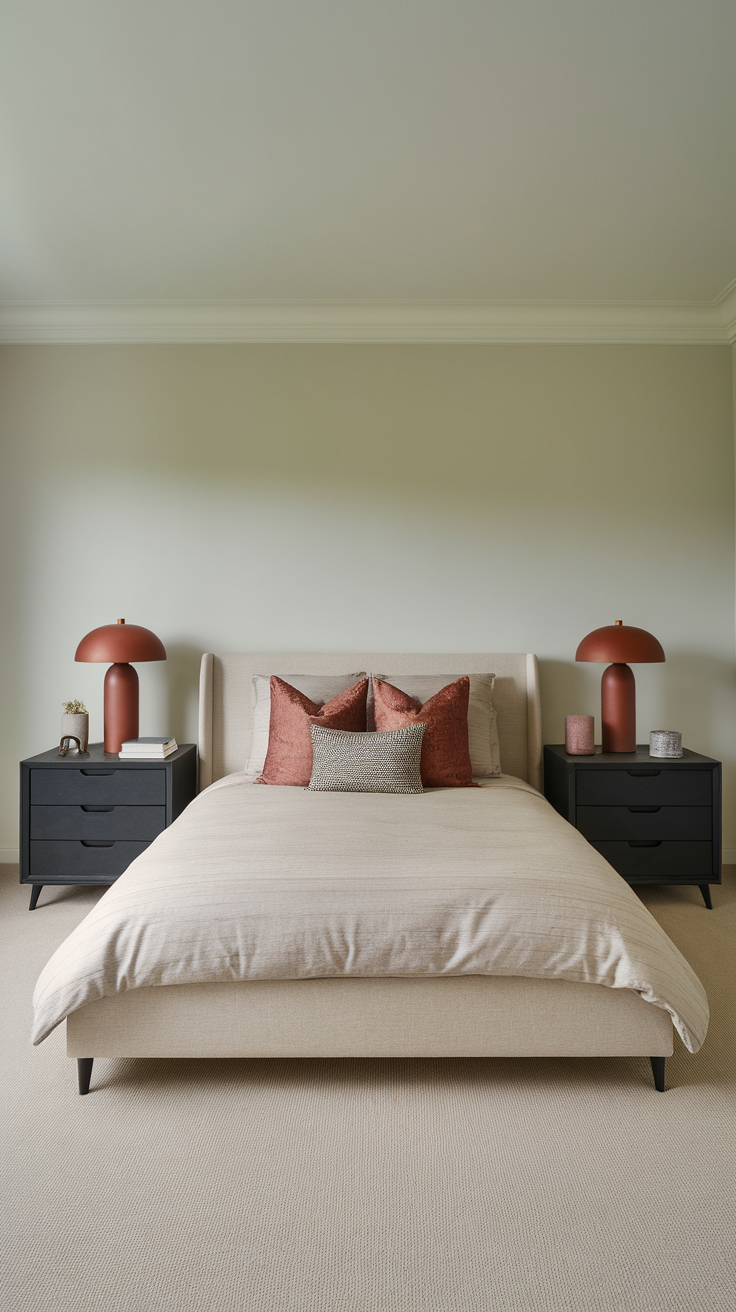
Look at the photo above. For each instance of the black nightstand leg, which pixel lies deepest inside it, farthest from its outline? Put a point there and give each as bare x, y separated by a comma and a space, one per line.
84, 1072
705, 890
34, 896
658, 1072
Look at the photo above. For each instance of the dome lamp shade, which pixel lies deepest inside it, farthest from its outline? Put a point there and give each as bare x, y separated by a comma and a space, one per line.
619, 643
120, 643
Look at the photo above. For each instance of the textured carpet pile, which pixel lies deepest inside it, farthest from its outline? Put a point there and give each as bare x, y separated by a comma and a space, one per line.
370, 1186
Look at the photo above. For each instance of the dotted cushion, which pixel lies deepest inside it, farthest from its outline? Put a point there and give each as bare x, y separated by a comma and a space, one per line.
345, 762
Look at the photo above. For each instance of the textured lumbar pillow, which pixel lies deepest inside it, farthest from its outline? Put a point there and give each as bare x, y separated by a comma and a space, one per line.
289, 757
445, 753
366, 762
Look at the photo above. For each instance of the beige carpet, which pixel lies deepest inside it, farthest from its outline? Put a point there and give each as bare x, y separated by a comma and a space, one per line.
391, 1186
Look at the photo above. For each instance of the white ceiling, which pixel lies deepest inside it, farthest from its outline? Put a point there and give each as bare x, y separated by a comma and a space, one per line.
367, 150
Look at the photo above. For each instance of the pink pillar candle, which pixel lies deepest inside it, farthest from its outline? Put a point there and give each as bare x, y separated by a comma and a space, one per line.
579, 730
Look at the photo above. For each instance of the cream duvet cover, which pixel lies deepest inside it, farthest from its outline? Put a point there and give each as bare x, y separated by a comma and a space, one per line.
255, 882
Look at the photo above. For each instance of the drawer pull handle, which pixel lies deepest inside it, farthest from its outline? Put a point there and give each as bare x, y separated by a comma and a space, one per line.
645, 842
98, 808
96, 842
95, 774
643, 774
644, 810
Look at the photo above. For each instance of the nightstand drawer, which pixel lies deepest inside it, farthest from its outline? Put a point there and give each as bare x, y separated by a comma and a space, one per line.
666, 863
98, 784
95, 820
53, 861
661, 822
644, 785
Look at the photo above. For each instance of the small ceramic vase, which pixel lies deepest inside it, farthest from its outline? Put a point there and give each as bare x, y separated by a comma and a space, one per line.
78, 727
579, 732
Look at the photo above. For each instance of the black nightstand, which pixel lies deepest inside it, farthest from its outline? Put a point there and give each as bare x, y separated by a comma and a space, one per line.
656, 821
84, 818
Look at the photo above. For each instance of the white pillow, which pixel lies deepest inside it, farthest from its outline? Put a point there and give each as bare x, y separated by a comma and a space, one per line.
319, 688
485, 753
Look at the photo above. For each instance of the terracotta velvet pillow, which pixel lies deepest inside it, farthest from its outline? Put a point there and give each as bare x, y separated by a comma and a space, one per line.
445, 753
289, 756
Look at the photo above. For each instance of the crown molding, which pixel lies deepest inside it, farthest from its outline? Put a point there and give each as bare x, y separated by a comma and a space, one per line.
469, 322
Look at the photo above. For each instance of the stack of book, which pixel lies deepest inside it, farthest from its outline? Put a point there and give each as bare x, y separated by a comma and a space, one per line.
147, 749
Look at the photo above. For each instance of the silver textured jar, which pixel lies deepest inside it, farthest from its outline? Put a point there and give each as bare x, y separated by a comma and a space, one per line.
665, 742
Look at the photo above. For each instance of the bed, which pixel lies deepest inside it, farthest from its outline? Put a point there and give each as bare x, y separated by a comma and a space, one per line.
272, 922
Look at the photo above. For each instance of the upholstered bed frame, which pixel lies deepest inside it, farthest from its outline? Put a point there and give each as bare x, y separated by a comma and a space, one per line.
483, 1016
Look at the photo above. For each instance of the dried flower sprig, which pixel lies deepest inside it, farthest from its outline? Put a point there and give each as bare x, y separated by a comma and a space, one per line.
75, 708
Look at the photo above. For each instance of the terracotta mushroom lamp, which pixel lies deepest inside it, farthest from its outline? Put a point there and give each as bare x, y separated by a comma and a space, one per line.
619, 643
120, 643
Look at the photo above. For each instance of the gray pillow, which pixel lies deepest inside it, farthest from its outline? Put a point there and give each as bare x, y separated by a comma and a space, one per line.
385, 762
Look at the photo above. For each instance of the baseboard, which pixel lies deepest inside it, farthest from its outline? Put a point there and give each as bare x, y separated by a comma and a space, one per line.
729, 856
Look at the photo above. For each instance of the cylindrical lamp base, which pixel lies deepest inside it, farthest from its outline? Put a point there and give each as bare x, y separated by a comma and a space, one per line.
618, 709
121, 706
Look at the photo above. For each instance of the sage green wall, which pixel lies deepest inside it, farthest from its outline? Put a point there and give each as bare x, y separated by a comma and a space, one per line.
356, 497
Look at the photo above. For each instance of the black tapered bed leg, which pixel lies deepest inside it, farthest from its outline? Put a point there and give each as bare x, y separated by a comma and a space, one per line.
705, 890
84, 1072
34, 896
658, 1072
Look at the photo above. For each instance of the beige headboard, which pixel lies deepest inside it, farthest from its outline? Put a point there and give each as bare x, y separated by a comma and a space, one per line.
225, 699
